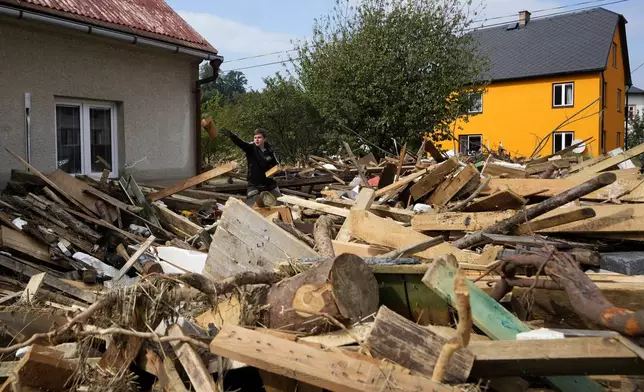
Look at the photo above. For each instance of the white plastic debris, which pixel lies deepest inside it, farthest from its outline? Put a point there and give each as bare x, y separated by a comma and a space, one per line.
98, 265
329, 166
540, 334
172, 257
420, 207
19, 223
22, 351
140, 230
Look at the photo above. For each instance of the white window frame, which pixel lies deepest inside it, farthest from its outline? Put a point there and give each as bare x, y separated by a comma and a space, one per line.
563, 95
86, 158
562, 134
469, 103
632, 111
468, 142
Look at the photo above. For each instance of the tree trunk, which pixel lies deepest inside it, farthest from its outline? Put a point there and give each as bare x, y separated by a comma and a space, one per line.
342, 287
322, 234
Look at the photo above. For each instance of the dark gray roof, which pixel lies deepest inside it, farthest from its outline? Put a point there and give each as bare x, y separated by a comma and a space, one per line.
635, 90
573, 42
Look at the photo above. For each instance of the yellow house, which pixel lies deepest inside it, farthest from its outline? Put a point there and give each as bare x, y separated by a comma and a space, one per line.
553, 80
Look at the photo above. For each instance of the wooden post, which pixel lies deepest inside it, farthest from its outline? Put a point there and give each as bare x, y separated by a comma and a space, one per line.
322, 234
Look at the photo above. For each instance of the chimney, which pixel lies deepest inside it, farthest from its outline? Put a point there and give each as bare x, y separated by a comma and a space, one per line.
524, 18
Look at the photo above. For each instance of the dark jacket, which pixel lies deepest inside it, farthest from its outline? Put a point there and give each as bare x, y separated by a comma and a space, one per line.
258, 163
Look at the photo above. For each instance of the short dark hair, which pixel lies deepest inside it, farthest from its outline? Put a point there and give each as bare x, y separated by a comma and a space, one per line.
260, 131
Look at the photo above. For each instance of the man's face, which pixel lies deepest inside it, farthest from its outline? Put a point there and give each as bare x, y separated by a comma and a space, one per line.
259, 140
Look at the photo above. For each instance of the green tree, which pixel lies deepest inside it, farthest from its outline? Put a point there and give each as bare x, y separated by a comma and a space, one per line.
230, 85
391, 68
636, 131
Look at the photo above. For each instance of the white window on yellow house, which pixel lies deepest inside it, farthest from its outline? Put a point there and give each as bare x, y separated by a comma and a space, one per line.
469, 144
476, 103
561, 140
563, 94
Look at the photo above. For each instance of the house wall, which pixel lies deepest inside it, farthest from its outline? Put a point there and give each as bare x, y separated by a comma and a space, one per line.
153, 91
614, 115
518, 114
638, 101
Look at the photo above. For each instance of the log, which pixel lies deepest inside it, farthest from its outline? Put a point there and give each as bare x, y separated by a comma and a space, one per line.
323, 236
506, 225
342, 287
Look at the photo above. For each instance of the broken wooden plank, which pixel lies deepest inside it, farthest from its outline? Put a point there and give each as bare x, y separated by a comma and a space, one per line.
173, 219
586, 163
362, 250
494, 320
460, 221
194, 181
43, 368
363, 202
499, 201
430, 148
433, 178
313, 205
570, 356
385, 232
113, 201
133, 192
134, 258
613, 161
198, 374
104, 223
325, 369
493, 169
401, 182
555, 220
543, 166
76, 189
414, 347
449, 188
20, 242
624, 218
398, 214
360, 169
30, 291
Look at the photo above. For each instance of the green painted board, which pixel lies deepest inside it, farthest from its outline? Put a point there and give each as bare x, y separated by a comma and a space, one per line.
496, 321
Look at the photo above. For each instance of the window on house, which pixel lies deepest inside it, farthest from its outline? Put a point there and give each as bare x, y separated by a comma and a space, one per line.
562, 140
563, 94
475, 103
619, 139
470, 144
85, 131
619, 100
613, 51
603, 142
604, 88
632, 111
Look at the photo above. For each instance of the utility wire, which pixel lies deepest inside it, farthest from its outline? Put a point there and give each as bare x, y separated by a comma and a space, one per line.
543, 10
638, 67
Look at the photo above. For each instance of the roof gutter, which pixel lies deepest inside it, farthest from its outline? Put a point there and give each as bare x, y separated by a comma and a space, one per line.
104, 32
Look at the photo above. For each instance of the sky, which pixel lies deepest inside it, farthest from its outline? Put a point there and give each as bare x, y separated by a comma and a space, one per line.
247, 28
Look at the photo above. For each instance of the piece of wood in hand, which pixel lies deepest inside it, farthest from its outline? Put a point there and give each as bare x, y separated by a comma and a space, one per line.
198, 374
499, 201
363, 202
555, 220
134, 258
415, 347
334, 371
30, 291
194, 181
449, 188
272, 171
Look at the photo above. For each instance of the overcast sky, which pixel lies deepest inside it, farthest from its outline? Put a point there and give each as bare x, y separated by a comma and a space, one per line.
244, 28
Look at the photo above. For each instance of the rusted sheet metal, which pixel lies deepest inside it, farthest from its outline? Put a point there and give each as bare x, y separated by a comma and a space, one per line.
149, 18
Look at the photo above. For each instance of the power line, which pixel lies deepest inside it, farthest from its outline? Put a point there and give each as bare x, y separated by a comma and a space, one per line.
467, 30
636, 68
260, 55
542, 10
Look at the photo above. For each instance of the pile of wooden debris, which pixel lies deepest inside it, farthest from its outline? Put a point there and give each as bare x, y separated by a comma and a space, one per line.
406, 274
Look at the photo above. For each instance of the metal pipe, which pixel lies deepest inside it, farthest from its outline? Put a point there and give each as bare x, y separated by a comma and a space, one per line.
105, 32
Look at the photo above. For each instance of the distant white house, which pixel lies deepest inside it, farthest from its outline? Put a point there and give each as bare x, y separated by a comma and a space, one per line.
635, 100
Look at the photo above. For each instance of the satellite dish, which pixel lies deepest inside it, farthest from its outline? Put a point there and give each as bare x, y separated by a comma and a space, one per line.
580, 148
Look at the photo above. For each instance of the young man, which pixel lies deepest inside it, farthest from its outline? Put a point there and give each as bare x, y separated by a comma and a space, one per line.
260, 158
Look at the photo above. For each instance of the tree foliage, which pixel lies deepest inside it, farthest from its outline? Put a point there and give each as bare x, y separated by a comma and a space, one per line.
635, 133
229, 86
391, 68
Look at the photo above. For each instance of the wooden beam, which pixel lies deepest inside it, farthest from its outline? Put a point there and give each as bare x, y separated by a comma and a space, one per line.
48, 181
624, 218
398, 214
115, 202
173, 219
194, 181
449, 188
361, 171
362, 250
135, 257
431, 180
401, 182
313, 205
198, 374
326, 369
414, 347
496, 170
20, 242
385, 232
560, 357
43, 368
499, 201
555, 220
103, 223
613, 161
586, 163
363, 202
493, 319
76, 189
30, 291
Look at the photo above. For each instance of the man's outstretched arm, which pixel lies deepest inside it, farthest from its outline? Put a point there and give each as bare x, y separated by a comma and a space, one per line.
240, 143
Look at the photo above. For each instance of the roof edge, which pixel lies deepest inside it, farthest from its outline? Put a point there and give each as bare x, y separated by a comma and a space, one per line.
547, 75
